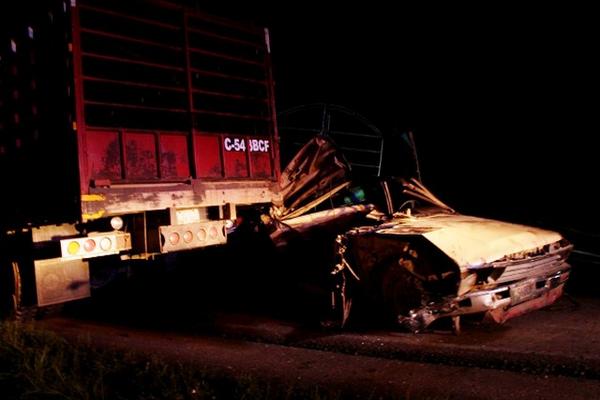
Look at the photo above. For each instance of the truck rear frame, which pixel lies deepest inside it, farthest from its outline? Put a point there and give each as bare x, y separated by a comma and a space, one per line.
128, 128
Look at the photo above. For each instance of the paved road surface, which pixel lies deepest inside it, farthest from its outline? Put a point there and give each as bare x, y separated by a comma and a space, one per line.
549, 354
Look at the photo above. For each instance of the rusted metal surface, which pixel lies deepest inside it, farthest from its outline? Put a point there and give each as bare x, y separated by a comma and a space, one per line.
174, 161
125, 199
317, 220
108, 93
171, 95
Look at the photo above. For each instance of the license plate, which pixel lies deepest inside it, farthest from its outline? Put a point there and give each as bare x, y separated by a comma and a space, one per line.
522, 291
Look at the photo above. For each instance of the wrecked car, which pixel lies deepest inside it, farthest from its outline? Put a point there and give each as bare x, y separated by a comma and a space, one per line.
403, 255
427, 262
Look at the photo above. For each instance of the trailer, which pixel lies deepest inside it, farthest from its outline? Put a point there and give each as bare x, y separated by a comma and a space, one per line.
127, 130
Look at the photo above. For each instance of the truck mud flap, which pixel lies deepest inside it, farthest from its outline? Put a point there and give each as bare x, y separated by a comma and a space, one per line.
59, 280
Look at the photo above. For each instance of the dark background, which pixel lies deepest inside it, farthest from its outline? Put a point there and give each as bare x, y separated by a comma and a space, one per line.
502, 101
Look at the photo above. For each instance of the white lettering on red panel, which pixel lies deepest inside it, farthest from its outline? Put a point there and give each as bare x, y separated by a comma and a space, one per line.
259, 145
234, 144
239, 144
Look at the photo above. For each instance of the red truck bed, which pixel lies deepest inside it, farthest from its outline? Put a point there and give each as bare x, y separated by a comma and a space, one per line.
169, 107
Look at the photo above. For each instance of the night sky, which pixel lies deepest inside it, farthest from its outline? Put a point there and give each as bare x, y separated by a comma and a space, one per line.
502, 101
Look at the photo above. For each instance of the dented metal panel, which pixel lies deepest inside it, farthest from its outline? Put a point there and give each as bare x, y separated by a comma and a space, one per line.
415, 260
315, 174
503, 285
472, 241
504, 269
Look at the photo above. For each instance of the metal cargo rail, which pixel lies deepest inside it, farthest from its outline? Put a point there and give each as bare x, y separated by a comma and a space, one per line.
167, 94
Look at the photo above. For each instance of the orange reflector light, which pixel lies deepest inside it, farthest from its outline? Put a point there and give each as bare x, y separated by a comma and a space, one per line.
89, 245
105, 244
201, 235
188, 236
174, 238
73, 248
213, 232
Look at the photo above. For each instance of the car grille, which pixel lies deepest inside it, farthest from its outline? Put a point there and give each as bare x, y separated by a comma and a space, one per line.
531, 266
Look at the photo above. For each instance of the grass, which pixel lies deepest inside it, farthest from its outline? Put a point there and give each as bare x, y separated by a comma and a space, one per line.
39, 365
35, 364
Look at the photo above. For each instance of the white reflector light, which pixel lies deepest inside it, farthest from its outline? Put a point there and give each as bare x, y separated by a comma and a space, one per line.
116, 223
105, 244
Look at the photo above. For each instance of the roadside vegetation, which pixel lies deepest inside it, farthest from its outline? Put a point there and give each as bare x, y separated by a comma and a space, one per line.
35, 364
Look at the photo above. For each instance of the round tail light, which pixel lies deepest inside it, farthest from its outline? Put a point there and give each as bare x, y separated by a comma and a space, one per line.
174, 238
73, 247
105, 244
89, 245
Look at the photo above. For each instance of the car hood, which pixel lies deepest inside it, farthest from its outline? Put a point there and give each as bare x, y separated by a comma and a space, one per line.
472, 241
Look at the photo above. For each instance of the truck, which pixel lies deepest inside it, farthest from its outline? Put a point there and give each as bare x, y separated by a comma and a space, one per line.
128, 130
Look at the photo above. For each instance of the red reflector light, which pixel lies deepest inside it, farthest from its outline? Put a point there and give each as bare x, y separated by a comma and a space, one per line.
174, 238
188, 236
201, 235
89, 245
213, 232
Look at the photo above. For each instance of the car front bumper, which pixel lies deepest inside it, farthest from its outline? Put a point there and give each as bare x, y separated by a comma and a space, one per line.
498, 304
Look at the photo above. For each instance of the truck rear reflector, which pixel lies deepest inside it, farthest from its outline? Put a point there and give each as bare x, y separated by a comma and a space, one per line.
95, 245
191, 236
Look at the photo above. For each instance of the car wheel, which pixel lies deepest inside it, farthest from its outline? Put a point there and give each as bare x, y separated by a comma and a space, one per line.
401, 291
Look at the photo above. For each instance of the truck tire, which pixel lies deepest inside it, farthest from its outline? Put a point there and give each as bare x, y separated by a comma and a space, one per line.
12, 307
10, 290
